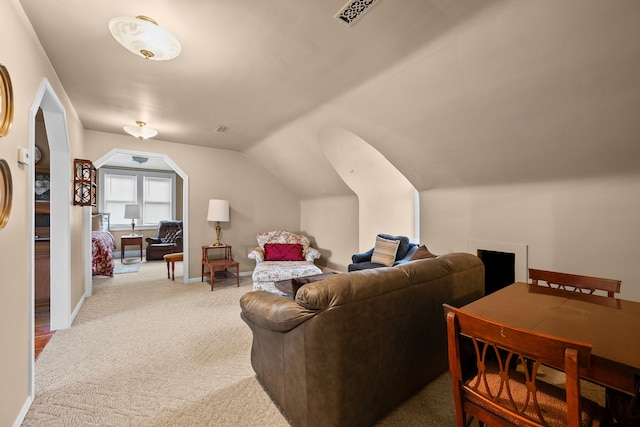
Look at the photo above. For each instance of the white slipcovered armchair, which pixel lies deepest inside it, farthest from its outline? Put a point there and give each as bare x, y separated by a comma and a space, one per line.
267, 272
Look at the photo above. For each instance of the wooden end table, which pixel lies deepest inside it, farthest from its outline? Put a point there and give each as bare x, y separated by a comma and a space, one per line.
222, 263
130, 240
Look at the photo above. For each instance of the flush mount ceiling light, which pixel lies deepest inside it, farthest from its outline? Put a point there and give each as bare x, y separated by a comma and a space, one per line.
142, 36
140, 159
141, 132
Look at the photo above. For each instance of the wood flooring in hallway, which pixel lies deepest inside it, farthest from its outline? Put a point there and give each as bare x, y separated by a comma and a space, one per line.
43, 332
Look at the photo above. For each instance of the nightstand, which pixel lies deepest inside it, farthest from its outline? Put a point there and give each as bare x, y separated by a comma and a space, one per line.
130, 240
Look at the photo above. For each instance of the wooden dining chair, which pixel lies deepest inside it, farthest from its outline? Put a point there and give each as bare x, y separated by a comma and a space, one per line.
496, 393
574, 282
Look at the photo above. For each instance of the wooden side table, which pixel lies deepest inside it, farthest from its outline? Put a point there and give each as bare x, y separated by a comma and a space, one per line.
221, 263
130, 240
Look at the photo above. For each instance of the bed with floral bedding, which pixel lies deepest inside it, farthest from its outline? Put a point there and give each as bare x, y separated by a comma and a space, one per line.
102, 246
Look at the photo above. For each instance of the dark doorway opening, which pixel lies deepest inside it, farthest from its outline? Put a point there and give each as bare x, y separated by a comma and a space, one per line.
499, 269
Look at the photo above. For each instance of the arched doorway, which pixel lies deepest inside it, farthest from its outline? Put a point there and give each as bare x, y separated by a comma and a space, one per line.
60, 243
185, 210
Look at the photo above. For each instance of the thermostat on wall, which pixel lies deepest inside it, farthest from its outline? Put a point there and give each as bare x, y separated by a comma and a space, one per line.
23, 156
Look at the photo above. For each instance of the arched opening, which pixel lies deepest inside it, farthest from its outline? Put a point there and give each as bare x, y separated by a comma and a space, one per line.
60, 236
102, 161
388, 202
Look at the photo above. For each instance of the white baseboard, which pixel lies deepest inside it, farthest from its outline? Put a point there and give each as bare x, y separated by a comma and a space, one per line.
23, 412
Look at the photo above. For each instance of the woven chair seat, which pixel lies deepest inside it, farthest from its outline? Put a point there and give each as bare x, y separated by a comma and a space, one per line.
551, 399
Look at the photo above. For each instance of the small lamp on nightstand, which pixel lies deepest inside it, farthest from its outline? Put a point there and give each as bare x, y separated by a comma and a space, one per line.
218, 211
132, 212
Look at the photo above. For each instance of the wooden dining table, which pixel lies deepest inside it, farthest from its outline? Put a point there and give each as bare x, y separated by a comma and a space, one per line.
610, 325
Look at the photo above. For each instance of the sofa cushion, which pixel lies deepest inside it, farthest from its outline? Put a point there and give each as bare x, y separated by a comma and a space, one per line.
364, 265
272, 271
421, 253
384, 251
283, 252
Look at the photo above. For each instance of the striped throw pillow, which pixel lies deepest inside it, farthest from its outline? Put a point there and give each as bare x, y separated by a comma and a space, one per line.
384, 251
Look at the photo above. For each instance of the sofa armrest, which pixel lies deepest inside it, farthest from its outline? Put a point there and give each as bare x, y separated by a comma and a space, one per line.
257, 254
311, 254
273, 312
179, 242
408, 256
153, 240
363, 257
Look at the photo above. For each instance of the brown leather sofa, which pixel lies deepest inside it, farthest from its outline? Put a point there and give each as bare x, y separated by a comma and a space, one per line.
354, 346
168, 240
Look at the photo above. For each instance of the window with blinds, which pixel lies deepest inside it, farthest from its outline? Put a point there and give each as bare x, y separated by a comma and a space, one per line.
154, 191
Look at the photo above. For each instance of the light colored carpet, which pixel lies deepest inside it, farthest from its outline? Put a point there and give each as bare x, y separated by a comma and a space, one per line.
148, 351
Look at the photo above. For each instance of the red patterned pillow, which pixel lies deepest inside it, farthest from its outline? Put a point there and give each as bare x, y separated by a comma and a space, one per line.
283, 252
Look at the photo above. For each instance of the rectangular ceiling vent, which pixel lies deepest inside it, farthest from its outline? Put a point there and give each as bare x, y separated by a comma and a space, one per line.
353, 11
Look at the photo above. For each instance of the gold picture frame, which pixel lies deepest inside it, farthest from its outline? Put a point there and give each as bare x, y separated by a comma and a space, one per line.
6, 192
6, 101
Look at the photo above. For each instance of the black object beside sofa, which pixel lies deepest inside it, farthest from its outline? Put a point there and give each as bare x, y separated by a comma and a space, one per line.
168, 240
403, 254
350, 348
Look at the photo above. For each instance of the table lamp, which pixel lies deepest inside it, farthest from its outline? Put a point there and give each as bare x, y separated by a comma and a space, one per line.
218, 211
132, 212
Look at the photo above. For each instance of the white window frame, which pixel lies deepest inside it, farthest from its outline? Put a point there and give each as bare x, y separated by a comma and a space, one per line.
140, 175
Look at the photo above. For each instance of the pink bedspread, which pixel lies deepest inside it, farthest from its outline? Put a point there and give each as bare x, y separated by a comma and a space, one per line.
103, 244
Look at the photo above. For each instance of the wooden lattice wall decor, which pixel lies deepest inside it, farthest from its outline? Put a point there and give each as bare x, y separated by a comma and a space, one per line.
84, 183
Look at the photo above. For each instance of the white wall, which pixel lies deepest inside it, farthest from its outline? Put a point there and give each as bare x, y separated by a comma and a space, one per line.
386, 197
258, 203
332, 224
22, 55
587, 226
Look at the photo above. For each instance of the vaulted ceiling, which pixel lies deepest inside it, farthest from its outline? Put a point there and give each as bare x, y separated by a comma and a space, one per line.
250, 65
452, 92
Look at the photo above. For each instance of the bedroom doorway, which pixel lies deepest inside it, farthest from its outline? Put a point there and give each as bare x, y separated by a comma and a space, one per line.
55, 126
41, 261
182, 206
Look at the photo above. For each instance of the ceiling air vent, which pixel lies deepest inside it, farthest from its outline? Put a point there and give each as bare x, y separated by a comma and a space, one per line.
353, 11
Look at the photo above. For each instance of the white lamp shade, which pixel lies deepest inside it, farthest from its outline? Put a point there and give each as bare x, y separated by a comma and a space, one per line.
218, 210
142, 36
132, 211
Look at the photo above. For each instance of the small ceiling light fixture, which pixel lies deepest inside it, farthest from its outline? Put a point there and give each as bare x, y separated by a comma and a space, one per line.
142, 36
139, 159
140, 131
